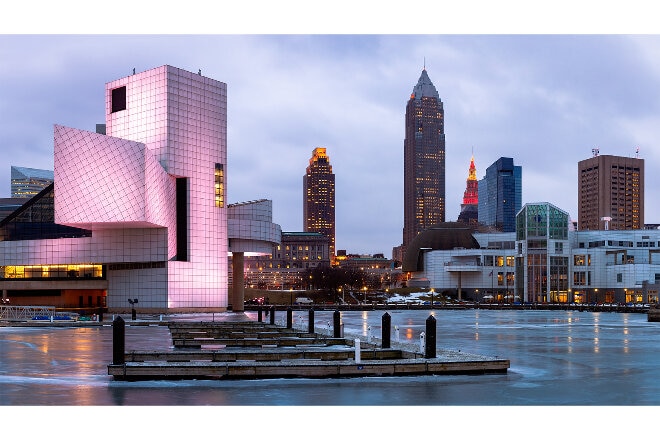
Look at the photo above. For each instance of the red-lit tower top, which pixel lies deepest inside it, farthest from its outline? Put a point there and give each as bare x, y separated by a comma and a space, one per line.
471, 194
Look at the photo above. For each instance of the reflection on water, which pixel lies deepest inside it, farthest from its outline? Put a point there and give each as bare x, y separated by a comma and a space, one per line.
557, 358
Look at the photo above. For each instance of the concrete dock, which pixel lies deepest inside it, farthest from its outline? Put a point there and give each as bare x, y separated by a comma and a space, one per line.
255, 350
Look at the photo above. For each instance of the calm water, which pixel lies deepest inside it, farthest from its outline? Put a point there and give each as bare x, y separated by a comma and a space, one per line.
557, 358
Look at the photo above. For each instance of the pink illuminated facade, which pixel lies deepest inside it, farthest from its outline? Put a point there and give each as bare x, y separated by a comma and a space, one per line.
152, 192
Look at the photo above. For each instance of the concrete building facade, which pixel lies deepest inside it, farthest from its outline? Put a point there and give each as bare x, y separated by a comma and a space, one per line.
544, 261
610, 193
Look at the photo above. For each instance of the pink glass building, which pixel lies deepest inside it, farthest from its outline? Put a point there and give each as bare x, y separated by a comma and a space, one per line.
151, 191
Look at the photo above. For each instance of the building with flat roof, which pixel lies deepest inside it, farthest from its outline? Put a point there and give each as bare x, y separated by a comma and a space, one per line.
27, 182
610, 193
545, 260
500, 195
139, 213
285, 266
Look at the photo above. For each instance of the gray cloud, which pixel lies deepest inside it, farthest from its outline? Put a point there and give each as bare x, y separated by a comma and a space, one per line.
546, 101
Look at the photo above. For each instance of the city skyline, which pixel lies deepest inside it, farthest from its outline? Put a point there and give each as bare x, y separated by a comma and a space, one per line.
546, 101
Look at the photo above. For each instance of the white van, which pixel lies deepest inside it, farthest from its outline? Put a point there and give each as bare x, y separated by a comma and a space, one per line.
304, 300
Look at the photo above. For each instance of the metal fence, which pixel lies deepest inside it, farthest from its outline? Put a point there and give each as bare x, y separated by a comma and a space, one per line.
21, 313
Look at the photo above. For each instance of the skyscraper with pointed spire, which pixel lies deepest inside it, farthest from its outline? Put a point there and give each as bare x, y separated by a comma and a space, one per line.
319, 197
424, 160
470, 206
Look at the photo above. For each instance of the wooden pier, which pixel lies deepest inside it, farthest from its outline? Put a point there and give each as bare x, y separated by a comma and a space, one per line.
255, 350
653, 314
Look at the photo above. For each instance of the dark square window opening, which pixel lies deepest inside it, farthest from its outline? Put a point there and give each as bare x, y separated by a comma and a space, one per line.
118, 99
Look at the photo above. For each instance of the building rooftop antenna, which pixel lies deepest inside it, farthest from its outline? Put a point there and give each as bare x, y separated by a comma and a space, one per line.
637, 153
595, 151
607, 222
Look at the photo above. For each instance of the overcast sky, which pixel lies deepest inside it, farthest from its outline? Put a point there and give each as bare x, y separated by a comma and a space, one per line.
544, 100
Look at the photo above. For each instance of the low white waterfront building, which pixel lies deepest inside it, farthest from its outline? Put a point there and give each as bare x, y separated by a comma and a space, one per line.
544, 261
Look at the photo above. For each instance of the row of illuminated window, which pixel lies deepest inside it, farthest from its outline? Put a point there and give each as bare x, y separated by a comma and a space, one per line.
302, 247
55, 271
219, 186
613, 243
499, 260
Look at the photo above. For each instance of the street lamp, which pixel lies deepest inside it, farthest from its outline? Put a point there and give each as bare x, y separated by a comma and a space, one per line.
432, 297
132, 302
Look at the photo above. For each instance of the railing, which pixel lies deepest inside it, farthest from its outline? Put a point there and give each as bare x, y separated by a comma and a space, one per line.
9, 313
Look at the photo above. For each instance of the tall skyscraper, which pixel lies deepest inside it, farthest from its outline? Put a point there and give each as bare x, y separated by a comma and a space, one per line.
500, 195
424, 160
319, 197
27, 182
610, 193
470, 206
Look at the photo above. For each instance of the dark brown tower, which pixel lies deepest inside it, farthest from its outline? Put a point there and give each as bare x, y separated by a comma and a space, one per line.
424, 160
610, 193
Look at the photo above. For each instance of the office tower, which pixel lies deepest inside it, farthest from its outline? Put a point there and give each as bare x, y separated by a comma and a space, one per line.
470, 206
424, 160
27, 182
610, 193
319, 197
500, 195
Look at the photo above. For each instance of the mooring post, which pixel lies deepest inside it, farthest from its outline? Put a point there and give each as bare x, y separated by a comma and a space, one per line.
357, 351
289, 318
259, 317
430, 337
310, 325
422, 342
118, 341
336, 321
272, 315
396, 333
386, 330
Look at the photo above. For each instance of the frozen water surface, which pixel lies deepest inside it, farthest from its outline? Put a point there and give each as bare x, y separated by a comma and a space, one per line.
561, 358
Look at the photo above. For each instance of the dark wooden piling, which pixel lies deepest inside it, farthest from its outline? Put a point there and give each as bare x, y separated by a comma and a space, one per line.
430, 337
118, 341
386, 330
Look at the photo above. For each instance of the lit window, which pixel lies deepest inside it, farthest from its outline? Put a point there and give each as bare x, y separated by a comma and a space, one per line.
219, 186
